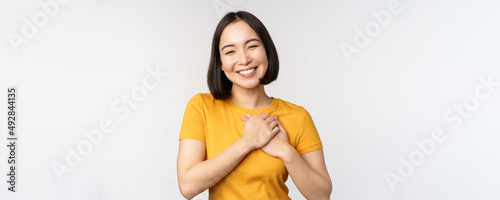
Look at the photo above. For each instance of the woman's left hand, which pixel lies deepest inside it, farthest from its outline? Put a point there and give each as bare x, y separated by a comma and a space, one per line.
278, 146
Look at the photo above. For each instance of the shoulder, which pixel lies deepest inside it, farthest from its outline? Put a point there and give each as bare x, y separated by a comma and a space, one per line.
287, 104
202, 100
202, 97
290, 108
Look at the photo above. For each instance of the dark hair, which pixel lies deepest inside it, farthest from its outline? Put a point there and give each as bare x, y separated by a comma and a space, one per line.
219, 85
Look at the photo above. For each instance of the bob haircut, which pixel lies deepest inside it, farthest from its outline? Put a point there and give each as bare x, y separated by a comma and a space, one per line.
219, 85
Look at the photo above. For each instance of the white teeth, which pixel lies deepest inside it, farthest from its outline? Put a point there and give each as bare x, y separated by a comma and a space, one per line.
247, 71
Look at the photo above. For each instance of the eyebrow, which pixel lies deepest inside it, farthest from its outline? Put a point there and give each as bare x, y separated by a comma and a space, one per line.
246, 42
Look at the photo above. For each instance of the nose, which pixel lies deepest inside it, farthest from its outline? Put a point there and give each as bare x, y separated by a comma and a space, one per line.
244, 59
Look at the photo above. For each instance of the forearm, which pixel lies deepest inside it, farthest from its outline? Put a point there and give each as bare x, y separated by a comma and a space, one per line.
206, 174
310, 183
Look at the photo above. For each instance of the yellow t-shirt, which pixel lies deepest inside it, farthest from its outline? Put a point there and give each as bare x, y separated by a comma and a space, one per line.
258, 175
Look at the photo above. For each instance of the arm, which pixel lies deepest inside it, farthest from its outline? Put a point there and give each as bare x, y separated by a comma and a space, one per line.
308, 171
195, 174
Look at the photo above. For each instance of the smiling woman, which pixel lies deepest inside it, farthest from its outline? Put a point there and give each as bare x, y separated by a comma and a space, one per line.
232, 141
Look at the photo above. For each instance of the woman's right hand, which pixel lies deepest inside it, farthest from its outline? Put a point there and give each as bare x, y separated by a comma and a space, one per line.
259, 130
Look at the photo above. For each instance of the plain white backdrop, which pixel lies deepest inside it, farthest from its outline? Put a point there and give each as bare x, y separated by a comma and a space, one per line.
404, 93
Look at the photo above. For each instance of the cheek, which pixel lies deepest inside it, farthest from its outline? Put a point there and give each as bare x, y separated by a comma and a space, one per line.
261, 56
227, 64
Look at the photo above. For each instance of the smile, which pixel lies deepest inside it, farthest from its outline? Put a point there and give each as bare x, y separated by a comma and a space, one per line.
247, 71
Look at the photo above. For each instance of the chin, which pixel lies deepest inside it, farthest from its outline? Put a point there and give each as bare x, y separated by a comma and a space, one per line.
249, 85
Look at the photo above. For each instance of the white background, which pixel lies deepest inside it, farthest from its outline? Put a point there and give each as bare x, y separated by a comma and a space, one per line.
400, 86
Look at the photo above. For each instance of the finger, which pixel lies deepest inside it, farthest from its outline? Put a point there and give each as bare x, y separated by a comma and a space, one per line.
253, 116
243, 122
269, 120
244, 118
275, 130
264, 115
273, 124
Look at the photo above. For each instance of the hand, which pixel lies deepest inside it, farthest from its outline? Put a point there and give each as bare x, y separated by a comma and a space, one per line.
259, 130
278, 145
275, 147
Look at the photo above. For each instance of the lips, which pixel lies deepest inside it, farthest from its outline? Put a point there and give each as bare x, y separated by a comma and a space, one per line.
248, 71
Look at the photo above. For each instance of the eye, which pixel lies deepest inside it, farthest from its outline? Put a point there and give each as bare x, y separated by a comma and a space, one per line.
253, 46
229, 52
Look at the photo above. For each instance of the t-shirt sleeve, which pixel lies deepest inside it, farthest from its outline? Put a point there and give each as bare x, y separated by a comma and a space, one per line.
193, 123
308, 136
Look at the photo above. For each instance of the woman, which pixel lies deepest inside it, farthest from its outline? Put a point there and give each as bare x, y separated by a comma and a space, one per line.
237, 141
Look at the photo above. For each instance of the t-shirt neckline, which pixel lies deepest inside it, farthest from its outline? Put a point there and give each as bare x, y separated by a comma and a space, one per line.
268, 109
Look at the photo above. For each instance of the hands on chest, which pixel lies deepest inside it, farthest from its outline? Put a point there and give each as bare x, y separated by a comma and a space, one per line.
265, 132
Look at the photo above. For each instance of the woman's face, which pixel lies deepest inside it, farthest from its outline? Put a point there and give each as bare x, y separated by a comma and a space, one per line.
243, 55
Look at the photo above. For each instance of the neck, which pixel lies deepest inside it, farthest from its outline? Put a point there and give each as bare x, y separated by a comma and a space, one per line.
255, 98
